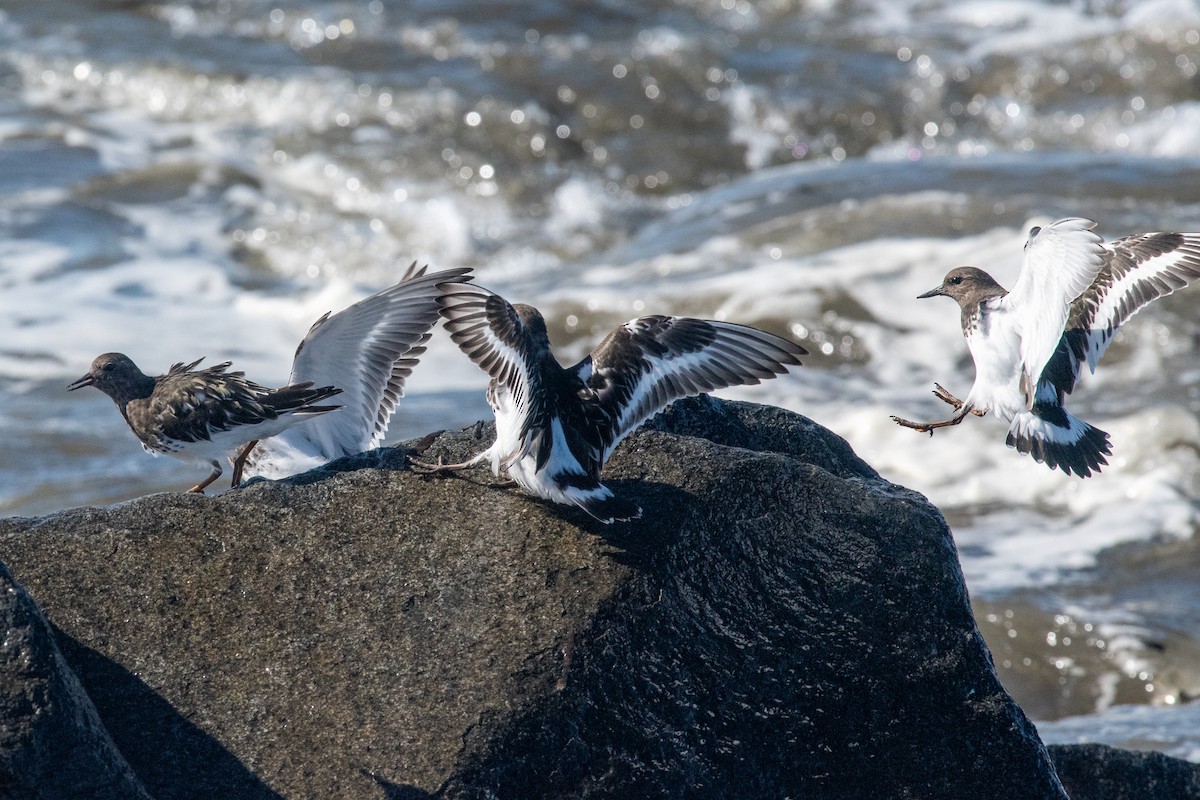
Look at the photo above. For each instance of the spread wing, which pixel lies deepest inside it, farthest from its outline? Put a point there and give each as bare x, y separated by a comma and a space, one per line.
1061, 262
650, 361
368, 351
489, 330
1137, 270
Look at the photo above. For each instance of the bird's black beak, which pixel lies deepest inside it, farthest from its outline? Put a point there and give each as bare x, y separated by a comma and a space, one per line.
932, 293
86, 380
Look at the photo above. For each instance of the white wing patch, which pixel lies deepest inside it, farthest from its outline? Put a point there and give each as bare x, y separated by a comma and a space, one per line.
651, 361
1061, 262
367, 350
665, 379
561, 458
1150, 278
465, 310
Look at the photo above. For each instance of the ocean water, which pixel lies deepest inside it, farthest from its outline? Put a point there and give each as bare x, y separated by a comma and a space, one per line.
206, 179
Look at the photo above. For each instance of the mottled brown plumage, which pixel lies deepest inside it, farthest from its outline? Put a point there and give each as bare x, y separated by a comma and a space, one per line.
200, 415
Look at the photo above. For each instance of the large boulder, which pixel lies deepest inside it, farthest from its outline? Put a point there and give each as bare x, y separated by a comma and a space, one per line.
52, 742
782, 622
1099, 772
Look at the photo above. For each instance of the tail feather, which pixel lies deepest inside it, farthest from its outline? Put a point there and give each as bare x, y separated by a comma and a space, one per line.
300, 398
612, 509
1056, 438
313, 410
602, 504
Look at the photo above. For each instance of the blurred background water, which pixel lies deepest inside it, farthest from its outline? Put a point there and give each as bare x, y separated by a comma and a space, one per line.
206, 179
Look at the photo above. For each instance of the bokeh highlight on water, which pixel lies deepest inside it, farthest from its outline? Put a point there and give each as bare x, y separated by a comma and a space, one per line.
179, 180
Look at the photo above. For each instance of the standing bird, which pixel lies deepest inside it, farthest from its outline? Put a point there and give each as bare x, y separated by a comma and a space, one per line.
1029, 345
201, 415
369, 350
555, 426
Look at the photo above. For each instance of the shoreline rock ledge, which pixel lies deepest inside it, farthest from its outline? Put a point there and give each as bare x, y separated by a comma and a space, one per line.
782, 622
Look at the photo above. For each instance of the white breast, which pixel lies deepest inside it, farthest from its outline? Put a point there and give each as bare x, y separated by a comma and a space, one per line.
508, 446
995, 345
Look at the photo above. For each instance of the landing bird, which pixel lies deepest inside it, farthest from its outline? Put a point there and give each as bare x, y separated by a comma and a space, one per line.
201, 415
555, 426
1029, 345
369, 350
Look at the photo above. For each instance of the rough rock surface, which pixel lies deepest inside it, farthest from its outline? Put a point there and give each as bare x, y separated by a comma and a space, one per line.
52, 742
781, 623
1099, 772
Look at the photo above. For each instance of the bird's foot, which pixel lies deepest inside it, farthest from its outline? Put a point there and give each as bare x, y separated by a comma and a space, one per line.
919, 427
440, 468
929, 427
940, 393
426, 468
202, 485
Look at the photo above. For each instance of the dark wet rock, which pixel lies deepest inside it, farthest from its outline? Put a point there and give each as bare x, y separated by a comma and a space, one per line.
52, 742
1099, 772
781, 623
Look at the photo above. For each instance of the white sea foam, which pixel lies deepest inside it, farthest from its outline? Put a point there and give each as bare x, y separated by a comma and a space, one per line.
214, 189
1174, 730
1172, 132
1018, 522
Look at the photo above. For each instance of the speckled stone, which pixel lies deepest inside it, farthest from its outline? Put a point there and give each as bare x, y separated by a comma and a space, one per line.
781, 623
1099, 772
52, 742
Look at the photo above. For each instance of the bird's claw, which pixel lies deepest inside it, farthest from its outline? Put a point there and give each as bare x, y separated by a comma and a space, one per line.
919, 427
940, 393
425, 468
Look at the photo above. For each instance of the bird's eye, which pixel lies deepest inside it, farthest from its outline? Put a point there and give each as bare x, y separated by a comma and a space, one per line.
956, 279
109, 367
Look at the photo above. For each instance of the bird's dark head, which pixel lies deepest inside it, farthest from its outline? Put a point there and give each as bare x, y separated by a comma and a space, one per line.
116, 375
966, 285
535, 324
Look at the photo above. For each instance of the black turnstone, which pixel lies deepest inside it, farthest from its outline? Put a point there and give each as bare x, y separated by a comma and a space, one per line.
555, 426
201, 415
368, 350
1029, 345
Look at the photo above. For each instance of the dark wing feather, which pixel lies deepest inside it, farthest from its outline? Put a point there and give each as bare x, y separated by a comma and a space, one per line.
189, 406
1137, 270
489, 330
648, 362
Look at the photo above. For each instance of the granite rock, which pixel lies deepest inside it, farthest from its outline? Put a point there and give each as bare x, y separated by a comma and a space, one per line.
1100, 772
781, 623
52, 742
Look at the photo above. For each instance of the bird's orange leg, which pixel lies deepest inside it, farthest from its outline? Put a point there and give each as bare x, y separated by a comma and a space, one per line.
239, 463
199, 487
929, 427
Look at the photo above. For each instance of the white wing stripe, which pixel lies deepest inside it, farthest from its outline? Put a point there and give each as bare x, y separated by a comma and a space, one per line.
738, 355
466, 319
1155, 277
1061, 261
368, 350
